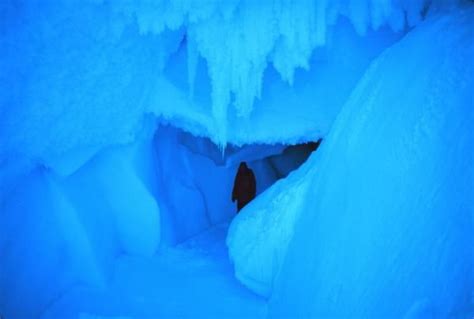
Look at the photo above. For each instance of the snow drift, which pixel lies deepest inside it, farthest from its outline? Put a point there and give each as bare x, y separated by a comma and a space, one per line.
386, 227
259, 236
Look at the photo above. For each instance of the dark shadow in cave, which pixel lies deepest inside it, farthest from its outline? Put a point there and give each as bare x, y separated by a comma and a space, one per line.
196, 178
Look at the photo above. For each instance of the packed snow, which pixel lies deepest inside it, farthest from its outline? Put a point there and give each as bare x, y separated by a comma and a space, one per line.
192, 280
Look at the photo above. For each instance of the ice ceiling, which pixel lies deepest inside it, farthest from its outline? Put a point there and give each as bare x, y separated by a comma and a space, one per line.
117, 61
239, 39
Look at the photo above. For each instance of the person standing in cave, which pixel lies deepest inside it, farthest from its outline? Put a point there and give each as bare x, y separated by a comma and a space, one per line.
245, 186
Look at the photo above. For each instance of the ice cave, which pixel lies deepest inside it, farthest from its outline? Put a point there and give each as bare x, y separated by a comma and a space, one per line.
236, 159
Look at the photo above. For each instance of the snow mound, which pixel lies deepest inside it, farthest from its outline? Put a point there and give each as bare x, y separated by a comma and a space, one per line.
259, 235
386, 229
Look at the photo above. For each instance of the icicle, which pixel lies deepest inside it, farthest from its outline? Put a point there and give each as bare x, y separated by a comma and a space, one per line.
238, 38
321, 22
220, 102
193, 56
359, 14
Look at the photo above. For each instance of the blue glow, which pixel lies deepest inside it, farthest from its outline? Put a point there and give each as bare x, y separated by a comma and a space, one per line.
123, 125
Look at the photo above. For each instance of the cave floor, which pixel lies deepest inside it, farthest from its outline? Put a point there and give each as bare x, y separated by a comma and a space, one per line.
192, 280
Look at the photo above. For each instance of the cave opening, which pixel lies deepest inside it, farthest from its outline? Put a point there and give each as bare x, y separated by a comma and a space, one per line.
196, 177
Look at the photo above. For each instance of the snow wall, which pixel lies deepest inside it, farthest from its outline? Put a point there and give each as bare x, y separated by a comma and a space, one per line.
378, 223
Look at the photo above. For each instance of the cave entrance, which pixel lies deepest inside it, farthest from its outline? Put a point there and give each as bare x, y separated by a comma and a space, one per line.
196, 178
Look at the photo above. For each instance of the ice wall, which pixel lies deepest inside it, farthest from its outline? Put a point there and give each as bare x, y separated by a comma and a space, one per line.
58, 232
44, 247
387, 226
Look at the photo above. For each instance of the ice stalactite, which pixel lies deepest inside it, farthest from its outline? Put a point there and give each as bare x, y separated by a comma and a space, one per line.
238, 39
192, 61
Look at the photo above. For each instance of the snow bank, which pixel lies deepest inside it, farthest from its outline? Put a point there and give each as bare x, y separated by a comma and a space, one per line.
259, 235
386, 228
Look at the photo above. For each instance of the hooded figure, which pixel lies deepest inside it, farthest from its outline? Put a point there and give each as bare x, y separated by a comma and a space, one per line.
244, 186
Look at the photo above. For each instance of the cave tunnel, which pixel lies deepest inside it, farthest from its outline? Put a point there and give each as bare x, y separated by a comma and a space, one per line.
197, 177
161, 209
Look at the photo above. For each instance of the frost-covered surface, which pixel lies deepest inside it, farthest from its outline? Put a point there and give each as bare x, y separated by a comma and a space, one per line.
71, 82
259, 235
238, 39
80, 77
387, 225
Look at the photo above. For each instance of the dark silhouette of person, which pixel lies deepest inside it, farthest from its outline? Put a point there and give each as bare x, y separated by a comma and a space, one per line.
245, 186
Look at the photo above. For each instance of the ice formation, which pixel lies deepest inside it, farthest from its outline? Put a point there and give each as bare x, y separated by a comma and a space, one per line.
122, 124
122, 48
283, 33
